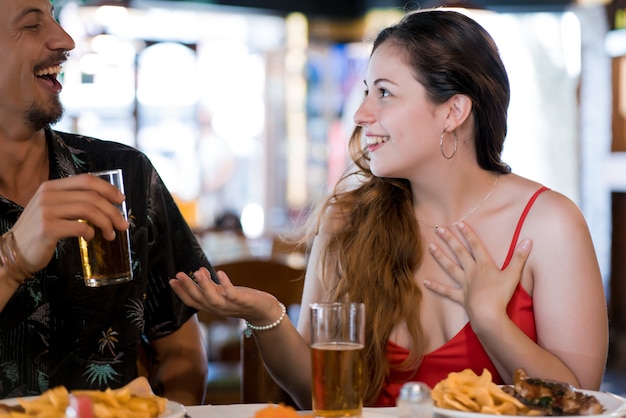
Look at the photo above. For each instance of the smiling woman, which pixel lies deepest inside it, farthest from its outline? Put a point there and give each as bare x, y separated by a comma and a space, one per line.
438, 300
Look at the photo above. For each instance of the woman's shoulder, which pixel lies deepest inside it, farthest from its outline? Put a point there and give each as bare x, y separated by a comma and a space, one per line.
543, 204
330, 221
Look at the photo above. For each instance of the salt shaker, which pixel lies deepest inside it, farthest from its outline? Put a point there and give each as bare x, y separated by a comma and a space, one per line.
415, 401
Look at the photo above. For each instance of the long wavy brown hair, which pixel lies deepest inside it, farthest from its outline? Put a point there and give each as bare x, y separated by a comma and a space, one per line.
373, 247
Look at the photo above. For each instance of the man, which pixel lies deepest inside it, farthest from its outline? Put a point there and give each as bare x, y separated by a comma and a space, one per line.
53, 329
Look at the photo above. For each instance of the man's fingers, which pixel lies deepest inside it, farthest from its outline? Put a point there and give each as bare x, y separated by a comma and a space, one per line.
85, 182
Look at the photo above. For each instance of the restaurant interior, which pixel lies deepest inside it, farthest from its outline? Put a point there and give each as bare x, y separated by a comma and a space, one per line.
245, 107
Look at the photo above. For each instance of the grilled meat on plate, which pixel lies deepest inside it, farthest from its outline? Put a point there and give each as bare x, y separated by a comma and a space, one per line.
552, 398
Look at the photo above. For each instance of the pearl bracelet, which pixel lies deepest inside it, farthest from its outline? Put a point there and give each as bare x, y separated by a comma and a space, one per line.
249, 327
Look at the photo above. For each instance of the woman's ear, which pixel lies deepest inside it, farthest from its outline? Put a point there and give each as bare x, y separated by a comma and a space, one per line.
459, 110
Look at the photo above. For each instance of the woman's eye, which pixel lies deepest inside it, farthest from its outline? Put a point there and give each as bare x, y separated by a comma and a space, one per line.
384, 93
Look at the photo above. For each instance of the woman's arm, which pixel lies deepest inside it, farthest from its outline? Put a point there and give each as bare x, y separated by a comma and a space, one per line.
285, 352
568, 294
299, 388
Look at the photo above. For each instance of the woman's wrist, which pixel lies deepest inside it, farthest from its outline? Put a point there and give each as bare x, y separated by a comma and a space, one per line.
250, 327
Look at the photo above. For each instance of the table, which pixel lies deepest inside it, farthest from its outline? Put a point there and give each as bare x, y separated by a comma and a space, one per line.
248, 411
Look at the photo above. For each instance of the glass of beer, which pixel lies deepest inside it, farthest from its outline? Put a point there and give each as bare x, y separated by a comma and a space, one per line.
337, 340
107, 262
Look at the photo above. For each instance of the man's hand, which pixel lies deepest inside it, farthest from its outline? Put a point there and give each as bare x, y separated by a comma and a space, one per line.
54, 211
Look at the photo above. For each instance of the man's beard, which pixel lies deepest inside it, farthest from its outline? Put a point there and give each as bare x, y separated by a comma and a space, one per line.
38, 117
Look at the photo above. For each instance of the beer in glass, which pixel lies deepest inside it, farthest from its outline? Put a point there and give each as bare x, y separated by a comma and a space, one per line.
107, 262
337, 340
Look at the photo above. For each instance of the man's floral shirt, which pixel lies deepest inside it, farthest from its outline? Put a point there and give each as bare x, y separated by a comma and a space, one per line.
56, 331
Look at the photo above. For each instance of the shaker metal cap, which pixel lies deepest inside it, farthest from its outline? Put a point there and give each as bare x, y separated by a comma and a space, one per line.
415, 391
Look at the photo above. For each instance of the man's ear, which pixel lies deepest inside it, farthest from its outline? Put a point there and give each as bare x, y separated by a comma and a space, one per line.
460, 107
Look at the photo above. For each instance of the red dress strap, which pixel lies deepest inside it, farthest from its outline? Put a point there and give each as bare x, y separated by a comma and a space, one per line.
518, 228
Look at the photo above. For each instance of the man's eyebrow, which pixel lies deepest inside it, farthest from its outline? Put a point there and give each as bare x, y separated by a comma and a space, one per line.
27, 11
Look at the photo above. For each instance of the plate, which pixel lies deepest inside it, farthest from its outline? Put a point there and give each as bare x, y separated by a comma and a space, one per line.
172, 409
14, 401
614, 405
380, 413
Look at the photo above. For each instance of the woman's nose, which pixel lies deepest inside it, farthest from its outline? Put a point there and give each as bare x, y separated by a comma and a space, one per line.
363, 115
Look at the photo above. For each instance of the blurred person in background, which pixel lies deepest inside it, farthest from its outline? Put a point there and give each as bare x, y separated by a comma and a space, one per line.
461, 263
53, 329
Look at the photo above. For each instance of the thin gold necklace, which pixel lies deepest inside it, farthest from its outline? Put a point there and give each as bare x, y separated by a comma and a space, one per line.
462, 218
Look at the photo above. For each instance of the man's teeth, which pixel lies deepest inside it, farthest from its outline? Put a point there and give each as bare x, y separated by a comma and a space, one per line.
375, 140
48, 71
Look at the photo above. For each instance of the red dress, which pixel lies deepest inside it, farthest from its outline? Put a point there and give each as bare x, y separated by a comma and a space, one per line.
464, 350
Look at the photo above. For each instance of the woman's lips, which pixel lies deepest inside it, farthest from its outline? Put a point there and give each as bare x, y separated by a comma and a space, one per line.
375, 142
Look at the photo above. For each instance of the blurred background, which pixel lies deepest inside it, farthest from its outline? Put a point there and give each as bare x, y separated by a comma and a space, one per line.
245, 107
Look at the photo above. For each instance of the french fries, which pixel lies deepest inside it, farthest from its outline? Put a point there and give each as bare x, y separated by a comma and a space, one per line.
468, 392
135, 400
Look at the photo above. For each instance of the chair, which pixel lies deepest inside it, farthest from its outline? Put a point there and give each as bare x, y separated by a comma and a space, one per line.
286, 283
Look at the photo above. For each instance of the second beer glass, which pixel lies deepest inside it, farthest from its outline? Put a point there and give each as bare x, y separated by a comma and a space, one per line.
337, 340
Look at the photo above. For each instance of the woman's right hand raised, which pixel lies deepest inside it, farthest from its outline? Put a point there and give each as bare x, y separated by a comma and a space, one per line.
53, 213
224, 298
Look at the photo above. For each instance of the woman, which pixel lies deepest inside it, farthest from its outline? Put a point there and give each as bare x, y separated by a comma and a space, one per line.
434, 233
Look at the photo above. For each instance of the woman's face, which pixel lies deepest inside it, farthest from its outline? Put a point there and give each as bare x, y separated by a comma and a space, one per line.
400, 125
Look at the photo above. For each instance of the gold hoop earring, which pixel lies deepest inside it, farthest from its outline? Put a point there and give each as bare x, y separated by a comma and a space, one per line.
456, 144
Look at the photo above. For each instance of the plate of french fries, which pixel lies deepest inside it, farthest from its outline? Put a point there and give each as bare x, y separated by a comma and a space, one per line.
134, 400
468, 395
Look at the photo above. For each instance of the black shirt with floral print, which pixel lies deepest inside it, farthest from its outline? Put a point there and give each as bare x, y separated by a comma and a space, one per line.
56, 331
